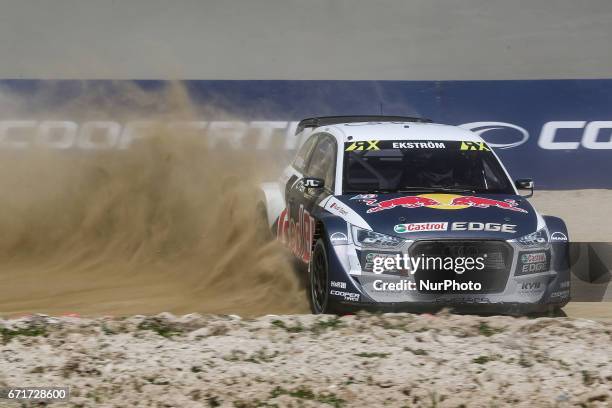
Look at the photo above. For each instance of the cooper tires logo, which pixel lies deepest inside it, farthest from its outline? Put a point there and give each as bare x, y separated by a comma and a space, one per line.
507, 135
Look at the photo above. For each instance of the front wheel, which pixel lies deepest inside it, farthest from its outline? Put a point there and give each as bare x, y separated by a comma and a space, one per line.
318, 272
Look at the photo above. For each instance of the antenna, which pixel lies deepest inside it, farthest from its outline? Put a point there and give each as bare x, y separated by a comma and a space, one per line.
381, 108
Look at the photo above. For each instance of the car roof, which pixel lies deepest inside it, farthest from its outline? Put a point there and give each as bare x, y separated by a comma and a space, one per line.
398, 131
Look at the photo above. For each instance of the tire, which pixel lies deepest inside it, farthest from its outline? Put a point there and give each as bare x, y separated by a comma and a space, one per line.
318, 280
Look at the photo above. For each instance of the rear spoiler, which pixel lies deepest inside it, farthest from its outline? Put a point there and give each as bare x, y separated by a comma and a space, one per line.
332, 120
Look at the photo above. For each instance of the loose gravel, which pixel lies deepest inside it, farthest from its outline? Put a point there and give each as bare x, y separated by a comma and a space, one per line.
359, 360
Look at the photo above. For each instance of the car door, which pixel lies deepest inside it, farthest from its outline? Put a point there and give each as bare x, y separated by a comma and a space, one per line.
301, 200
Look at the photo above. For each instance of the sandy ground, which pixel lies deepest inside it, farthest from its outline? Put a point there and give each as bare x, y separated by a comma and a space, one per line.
303, 360
586, 223
601, 311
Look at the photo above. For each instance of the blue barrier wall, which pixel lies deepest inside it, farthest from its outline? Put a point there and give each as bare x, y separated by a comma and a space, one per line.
557, 131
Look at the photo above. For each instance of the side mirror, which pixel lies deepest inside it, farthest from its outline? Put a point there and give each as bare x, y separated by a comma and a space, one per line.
313, 182
525, 184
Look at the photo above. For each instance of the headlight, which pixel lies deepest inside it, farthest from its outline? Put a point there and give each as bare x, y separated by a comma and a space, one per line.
536, 239
370, 239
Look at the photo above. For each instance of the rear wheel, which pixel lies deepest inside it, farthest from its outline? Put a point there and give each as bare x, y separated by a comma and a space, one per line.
319, 279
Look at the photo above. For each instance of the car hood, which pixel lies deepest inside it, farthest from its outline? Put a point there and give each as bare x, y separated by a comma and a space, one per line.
435, 215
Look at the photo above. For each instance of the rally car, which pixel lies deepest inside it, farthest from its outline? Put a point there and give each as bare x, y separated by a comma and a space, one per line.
399, 213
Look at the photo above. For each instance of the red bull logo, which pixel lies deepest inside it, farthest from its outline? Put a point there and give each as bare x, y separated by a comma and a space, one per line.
406, 202
480, 202
297, 234
442, 202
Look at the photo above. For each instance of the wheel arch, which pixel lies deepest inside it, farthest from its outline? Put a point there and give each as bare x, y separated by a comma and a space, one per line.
271, 196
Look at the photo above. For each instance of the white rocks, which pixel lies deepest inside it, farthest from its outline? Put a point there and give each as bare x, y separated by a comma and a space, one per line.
396, 359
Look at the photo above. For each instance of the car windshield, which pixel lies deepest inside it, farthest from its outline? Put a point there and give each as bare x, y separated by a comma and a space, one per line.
400, 165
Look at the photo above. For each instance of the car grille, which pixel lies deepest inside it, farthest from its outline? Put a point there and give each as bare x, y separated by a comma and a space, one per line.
493, 277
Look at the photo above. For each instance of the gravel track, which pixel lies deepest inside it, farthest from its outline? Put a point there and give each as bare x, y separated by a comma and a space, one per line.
442, 360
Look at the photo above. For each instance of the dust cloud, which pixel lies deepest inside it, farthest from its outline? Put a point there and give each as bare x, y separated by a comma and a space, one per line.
165, 225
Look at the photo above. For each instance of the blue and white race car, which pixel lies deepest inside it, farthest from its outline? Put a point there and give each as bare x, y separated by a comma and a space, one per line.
398, 213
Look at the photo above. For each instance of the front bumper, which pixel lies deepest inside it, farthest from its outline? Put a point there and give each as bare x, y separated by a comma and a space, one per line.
528, 281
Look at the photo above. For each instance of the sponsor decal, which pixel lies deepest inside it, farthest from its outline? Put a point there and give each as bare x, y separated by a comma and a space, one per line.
349, 296
534, 268
262, 134
363, 145
558, 236
340, 285
512, 134
442, 202
100, 135
530, 286
419, 145
297, 234
338, 238
533, 262
369, 199
338, 208
483, 226
406, 202
481, 146
590, 138
533, 257
420, 226
586, 134
564, 284
310, 183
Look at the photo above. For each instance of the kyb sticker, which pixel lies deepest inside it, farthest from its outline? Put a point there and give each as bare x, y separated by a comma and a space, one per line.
530, 286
